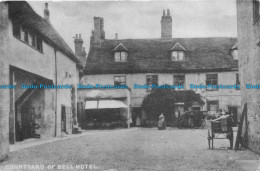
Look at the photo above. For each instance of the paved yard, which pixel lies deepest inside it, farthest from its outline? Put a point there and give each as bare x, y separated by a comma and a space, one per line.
134, 149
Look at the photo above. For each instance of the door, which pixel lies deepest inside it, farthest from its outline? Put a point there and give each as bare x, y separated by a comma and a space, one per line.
63, 119
27, 119
233, 111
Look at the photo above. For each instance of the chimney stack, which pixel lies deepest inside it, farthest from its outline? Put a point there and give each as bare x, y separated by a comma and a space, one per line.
116, 36
99, 33
46, 13
166, 26
80, 50
168, 12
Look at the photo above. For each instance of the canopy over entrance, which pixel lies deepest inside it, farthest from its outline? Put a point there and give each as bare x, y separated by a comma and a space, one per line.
104, 104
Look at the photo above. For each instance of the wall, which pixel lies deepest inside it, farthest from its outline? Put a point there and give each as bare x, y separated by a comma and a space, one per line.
29, 59
226, 97
248, 53
4, 75
67, 74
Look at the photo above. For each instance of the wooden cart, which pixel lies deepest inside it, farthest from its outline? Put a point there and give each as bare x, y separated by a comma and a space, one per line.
220, 130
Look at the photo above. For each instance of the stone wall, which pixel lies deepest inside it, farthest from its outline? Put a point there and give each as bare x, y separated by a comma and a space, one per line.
248, 52
4, 79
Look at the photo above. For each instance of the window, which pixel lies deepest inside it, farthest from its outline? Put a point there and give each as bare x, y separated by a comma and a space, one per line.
211, 80
237, 81
27, 36
150, 80
16, 30
120, 56
177, 56
256, 9
119, 80
235, 54
212, 106
179, 80
39, 43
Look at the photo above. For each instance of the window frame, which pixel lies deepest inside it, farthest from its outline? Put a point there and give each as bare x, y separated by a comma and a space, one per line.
208, 82
178, 55
235, 54
154, 80
119, 76
179, 75
256, 10
120, 56
24, 36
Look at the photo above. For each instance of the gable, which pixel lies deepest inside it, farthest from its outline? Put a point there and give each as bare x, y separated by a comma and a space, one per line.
120, 47
178, 47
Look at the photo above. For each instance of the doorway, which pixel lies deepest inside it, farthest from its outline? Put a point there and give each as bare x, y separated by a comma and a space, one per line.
233, 111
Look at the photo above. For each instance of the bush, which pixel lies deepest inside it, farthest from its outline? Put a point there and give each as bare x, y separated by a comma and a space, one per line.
163, 101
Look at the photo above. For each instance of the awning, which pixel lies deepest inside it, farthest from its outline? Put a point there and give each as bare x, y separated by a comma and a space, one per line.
104, 104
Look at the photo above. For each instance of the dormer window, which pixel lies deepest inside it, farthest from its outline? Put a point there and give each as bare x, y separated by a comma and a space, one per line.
120, 56
120, 53
177, 56
234, 52
178, 52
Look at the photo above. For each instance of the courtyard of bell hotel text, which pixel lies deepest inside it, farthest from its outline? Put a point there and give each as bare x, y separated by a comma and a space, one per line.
130, 85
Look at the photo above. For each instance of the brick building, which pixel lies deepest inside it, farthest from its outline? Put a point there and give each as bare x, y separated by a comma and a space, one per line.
33, 53
248, 14
165, 60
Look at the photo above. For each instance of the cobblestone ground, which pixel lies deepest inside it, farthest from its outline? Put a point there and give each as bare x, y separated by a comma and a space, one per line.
135, 149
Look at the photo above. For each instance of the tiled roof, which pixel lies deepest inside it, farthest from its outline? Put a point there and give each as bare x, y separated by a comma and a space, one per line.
24, 14
154, 55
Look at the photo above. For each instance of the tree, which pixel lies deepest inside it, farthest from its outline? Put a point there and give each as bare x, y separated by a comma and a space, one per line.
163, 101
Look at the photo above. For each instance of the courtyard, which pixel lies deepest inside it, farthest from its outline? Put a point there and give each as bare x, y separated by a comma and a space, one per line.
135, 149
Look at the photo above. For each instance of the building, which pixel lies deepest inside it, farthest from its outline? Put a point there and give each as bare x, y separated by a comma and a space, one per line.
165, 60
248, 15
33, 56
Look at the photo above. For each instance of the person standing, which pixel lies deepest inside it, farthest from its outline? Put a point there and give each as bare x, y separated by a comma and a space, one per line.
161, 122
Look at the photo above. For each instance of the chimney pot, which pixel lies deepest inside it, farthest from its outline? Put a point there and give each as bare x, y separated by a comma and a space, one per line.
80, 36
168, 12
46, 13
163, 12
116, 36
76, 36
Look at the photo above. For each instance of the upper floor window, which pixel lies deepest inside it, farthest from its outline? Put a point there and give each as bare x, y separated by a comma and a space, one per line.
179, 80
150, 80
256, 9
27, 36
119, 80
120, 56
177, 56
212, 81
235, 54
237, 81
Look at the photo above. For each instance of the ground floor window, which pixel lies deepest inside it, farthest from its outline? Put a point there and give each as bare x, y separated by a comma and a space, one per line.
212, 106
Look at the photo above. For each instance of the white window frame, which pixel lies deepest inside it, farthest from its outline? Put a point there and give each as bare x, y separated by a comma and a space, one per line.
177, 57
120, 56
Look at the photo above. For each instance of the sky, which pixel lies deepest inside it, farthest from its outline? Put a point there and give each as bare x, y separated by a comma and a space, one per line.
141, 19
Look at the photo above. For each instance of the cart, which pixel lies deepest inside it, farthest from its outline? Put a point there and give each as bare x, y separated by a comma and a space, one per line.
220, 130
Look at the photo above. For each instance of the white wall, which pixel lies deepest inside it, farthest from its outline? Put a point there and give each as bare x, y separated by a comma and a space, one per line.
225, 96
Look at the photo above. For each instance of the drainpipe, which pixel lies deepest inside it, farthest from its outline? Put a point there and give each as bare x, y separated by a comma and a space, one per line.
56, 90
